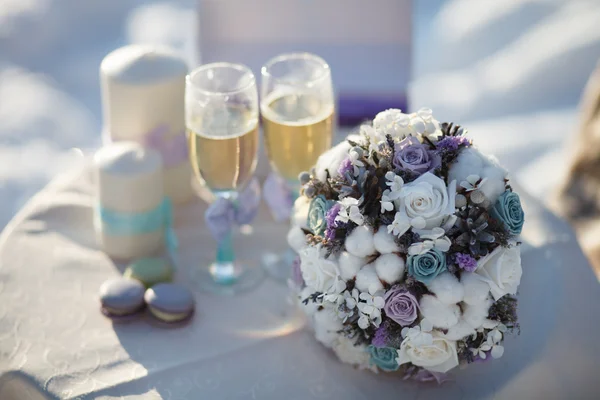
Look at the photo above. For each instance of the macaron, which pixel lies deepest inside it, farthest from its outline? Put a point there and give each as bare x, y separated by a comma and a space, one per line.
169, 302
121, 297
150, 271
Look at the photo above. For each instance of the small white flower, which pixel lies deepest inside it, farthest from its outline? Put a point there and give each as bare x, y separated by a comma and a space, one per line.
399, 225
371, 305
386, 202
356, 216
434, 238
356, 163
350, 211
395, 184
363, 322
472, 183
352, 299
419, 335
336, 294
492, 343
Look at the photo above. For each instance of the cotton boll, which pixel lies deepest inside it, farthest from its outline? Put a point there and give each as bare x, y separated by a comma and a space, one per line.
469, 162
296, 238
447, 288
360, 242
350, 265
472, 162
384, 241
367, 279
389, 268
475, 315
326, 325
331, 159
476, 291
459, 331
441, 315
495, 185
350, 353
300, 213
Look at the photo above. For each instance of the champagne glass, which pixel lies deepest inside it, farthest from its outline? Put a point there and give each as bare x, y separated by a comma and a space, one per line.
222, 129
297, 108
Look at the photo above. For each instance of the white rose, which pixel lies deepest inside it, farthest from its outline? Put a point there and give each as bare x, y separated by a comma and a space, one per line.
426, 203
472, 162
501, 270
332, 158
318, 272
351, 354
435, 353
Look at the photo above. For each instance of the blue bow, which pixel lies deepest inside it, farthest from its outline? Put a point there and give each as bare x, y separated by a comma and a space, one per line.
224, 212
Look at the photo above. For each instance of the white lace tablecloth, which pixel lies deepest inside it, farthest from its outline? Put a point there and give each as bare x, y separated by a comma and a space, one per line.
55, 343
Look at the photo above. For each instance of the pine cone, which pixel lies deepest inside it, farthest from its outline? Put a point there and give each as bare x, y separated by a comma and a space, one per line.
475, 234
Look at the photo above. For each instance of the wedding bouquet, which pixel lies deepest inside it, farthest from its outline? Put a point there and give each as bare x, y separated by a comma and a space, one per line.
408, 248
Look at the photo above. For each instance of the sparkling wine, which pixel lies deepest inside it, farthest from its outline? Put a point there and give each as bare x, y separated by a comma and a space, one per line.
223, 148
298, 128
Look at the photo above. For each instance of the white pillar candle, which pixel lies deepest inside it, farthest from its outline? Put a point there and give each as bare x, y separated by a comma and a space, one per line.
128, 180
143, 89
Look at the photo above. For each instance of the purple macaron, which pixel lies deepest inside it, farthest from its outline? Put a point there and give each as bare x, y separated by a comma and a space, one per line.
169, 302
121, 297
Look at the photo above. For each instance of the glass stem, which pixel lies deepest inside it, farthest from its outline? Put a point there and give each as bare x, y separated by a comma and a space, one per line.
225, 253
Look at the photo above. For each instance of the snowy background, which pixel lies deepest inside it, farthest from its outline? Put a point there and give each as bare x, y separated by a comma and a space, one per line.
514, 69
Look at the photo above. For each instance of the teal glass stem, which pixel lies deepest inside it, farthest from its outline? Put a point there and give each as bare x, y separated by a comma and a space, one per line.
225, 252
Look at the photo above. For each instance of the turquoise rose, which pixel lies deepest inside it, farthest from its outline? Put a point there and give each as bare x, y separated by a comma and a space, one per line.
425, 267
508, 210
317, 211
384, 357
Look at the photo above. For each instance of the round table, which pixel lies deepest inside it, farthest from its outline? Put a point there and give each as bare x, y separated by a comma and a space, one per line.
54, 342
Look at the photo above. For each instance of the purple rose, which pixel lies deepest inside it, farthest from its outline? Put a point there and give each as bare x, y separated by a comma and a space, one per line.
411, 155
401, 306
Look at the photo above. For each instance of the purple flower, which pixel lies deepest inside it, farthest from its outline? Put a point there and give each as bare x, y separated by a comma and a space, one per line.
401, 306
345, 166
466, 262
297, 273
452, 143
411, 155
332, 224
381, 336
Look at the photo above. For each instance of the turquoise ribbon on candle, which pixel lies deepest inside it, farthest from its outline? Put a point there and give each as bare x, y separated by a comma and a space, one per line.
125, 224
